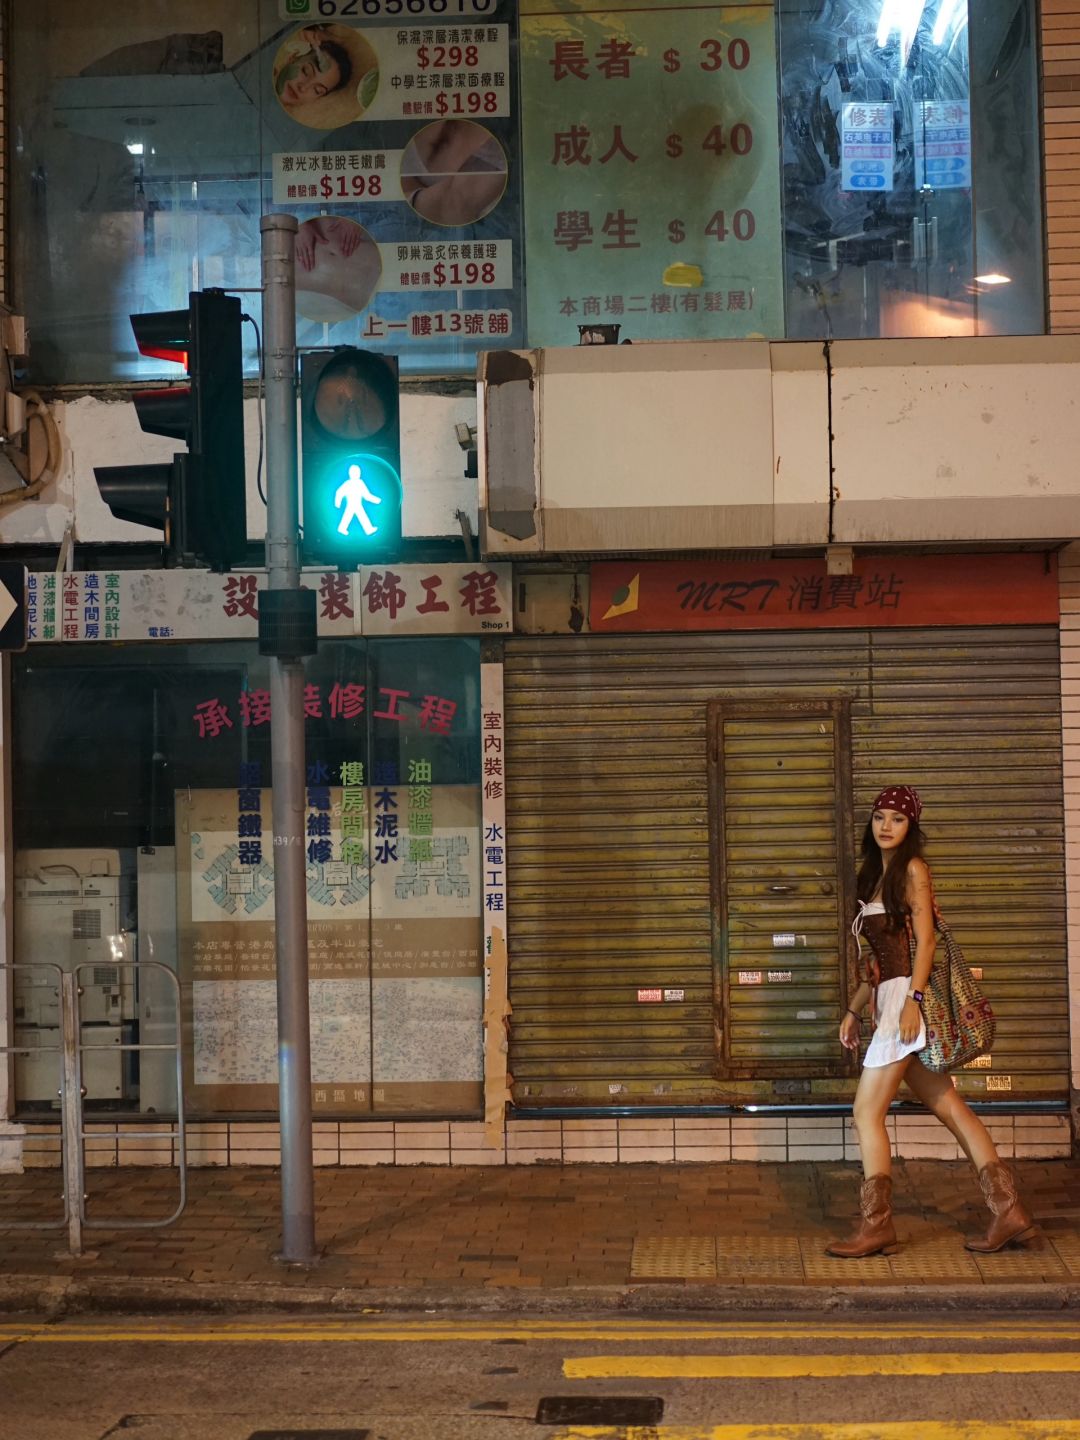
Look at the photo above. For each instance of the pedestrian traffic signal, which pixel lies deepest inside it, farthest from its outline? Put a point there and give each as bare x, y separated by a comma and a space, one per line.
200, 499
351, 452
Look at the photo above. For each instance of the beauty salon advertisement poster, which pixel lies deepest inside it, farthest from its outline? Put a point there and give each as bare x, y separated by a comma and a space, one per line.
393, 142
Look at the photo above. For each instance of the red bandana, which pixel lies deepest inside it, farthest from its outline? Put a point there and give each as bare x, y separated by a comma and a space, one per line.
902, 798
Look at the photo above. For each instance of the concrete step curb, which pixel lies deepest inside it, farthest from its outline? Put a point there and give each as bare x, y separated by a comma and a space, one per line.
55, 1298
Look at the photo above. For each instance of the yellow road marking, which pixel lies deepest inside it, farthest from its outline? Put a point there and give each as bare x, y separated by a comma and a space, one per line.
889, 1430
791, 1367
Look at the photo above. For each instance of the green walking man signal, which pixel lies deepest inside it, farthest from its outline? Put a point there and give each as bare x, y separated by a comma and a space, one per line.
351, 456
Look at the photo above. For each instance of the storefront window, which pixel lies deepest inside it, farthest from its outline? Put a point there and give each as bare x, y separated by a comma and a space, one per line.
151, 139
910, 168
905, 202
143, 825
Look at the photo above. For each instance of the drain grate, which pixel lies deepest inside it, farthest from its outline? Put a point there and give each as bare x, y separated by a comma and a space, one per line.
310, 1435
600, 1410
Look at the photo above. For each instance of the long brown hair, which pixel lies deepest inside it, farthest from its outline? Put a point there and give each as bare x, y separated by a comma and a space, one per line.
894, 886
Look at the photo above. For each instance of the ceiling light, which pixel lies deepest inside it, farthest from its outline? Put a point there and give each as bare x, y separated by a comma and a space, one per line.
947, 15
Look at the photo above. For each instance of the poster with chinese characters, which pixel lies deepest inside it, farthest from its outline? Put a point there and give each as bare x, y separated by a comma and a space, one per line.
943, 145
867, 150
394, 942
650, 142
393, 140
492, 742
426, 938
225, 890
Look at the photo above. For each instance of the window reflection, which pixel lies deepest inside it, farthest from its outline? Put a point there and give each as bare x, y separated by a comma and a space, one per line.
886, 107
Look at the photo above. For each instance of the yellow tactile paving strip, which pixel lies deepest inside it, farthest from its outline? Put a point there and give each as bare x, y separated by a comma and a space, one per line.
1067, 1248
936, 1259
674, 1257
923, 1259
757, 1257
1022, 1265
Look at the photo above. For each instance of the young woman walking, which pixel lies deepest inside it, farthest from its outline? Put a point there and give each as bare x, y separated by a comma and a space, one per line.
895, 892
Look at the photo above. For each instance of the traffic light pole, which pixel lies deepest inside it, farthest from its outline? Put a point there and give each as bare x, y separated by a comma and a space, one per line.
287, 745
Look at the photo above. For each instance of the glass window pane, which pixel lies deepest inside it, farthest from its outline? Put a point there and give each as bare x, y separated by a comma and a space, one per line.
910, 169
144, 832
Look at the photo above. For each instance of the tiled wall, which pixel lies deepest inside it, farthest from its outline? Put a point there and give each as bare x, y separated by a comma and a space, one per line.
1060, 21
556, 1142
1069, 588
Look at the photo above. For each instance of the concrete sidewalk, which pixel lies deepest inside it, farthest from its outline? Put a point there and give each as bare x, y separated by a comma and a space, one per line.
538, 1237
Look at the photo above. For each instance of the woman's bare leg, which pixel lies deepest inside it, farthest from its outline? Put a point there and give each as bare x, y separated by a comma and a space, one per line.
877, 1090
939, 1095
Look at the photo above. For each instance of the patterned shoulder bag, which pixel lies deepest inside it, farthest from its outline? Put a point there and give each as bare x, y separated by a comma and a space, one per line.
960, 1022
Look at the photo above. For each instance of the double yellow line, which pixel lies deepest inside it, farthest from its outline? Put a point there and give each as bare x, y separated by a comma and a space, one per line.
892, 1430
376, 1329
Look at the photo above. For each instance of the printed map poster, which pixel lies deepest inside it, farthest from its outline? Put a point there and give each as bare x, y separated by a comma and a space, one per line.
402, 905
228, 970
651, 193
426, 961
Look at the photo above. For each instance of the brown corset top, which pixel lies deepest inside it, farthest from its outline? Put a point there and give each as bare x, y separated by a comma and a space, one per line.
888, 956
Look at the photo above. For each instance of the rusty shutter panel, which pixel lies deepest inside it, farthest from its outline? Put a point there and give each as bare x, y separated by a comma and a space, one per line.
973, 719
782, 807
610, 861
609, 858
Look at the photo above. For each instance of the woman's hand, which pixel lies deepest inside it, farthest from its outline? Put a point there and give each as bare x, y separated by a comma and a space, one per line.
307, 237
849, 1031
342, 233
910, 1020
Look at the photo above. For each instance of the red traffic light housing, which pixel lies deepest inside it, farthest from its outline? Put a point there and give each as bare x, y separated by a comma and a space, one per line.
200, 500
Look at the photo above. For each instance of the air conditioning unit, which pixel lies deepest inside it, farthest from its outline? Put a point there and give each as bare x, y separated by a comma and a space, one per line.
71, 917
39, 1066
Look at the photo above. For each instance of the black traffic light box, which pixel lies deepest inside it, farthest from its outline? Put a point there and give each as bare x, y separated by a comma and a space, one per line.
199, 500
351, 455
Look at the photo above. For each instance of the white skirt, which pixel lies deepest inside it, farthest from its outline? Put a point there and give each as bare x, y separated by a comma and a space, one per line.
886, 1045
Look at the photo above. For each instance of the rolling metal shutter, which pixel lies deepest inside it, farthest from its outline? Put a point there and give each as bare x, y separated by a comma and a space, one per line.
611, 869
782, 823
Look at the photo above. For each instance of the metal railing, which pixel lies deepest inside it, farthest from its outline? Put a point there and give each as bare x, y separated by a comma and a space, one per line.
72, 1094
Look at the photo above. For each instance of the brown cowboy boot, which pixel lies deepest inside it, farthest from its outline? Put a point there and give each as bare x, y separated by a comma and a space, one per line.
1010, 1223
876, 1234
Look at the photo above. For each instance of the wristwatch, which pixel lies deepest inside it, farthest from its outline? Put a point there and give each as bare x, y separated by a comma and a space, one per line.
915, 995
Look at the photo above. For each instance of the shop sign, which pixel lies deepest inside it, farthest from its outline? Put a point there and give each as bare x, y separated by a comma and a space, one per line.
794, 594
434, 599
650, 140
492, 740
112, 605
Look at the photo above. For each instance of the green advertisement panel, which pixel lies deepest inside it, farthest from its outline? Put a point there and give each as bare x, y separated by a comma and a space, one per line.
651, 191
